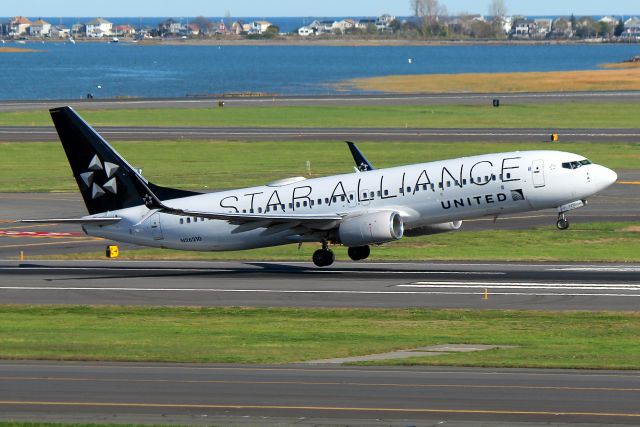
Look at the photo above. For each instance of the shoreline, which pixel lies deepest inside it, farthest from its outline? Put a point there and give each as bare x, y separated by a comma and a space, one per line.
325, 42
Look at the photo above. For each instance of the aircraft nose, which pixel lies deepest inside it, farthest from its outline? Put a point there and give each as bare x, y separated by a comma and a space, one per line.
606, 177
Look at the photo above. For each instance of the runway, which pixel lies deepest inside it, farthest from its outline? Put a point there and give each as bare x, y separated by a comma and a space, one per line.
314, 395
329, 100
269, 284
146, 133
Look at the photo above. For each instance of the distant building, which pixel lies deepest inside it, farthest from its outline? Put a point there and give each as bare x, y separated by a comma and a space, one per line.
631, 29
306, 31
60, 32
221, 28
170, 27
543, 27
523, 28
259, 27
363, 24
383, 23
18, 26
561, 28
610, 20
192, 30
40, 28
237, 28
124, 31
343, 25
98, 27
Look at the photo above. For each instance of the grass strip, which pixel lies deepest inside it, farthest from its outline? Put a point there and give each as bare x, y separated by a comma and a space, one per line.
601, 340
550, 81
597, 242
203, 165
522, 115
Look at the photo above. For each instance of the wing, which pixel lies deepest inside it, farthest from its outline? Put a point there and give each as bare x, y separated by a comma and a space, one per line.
310, 222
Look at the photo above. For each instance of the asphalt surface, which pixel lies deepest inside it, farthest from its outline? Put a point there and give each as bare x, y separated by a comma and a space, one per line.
146, 133
315, 395
330, 100
286, 284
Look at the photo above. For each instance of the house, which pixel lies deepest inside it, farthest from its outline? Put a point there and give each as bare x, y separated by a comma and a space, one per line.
98, 27
40, 28
170, 27
364, 24
343, 25
543, 27
259, 27
60, 32
631, 29
192, 30
523, 27
609, 20
306, 31
77, 29
18, 26
124, 31
236, 28
383, 23
221, 28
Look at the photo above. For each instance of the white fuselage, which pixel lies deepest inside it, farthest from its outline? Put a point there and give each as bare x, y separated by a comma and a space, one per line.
423, 194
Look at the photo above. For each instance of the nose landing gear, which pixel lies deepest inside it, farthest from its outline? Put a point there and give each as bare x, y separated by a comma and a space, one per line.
563, 222
324, 257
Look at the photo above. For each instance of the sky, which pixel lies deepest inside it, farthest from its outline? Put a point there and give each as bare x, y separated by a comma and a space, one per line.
316, 8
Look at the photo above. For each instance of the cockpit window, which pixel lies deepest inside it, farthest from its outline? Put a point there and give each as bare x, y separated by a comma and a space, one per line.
576, 164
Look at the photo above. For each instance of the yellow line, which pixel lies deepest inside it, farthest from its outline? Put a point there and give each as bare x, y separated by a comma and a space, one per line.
315, 408
319, 383
628, 182
52, 243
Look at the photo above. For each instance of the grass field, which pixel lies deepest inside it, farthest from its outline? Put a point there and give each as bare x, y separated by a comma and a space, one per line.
269, 335
546, 116
204, 165
555, 81
611, 242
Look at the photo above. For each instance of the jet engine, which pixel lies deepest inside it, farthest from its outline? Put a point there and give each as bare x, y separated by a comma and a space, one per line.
371, 228
427, 230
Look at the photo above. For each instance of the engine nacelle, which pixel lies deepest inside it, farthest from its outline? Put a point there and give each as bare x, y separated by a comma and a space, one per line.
371, 228
427, 230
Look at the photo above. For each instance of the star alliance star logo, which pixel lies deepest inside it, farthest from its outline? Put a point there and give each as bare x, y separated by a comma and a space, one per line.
89, 178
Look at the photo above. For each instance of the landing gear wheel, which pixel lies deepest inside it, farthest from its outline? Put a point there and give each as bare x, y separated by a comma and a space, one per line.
323, 257
358, 253
563, 222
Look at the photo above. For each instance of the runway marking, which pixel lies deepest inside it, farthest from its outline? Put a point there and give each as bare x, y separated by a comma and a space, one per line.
40, 234
276, 291
318, 383
317, 408
525, 285
628, 182
600, 269
78, 240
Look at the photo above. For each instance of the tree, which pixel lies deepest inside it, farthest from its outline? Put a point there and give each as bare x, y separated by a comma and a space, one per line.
619, 28
272, 31
574, 22
206, 26
497, 11
587, 27
605, 30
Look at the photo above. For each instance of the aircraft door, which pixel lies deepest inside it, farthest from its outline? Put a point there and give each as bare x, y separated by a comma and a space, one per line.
156, 228
537, 172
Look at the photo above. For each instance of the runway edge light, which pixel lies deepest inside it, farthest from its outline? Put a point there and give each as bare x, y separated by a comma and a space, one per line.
113, 251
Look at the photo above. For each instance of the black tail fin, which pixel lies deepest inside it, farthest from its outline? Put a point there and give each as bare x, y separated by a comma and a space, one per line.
107, 182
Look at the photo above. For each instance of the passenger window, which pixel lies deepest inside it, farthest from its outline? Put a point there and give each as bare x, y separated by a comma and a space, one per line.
259, 210
464, 181
290, 205
342, 198
433, 187
297, 204
372, 195
386, 192
326, 200
244, 211
319, 202
440, 185
508, 175
250, 210
408, 189
188, 220
378, 193
350, 196
181, 221
304, 203
448, 184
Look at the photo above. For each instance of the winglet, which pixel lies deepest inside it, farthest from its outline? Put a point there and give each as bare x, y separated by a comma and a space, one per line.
362, 164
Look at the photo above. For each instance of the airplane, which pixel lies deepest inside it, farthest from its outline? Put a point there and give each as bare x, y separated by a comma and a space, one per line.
360, 209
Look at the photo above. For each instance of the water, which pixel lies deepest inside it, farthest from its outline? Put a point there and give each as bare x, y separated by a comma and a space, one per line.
66, 71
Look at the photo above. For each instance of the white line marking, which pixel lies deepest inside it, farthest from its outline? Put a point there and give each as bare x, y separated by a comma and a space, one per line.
493, 285
274, 291
599, 269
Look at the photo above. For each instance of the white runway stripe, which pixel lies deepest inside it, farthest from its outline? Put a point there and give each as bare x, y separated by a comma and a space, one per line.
525, 285
319, 292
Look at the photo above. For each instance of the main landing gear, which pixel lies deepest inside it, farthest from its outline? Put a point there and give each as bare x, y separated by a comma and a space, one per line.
358, 253
563, 222
324, 257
